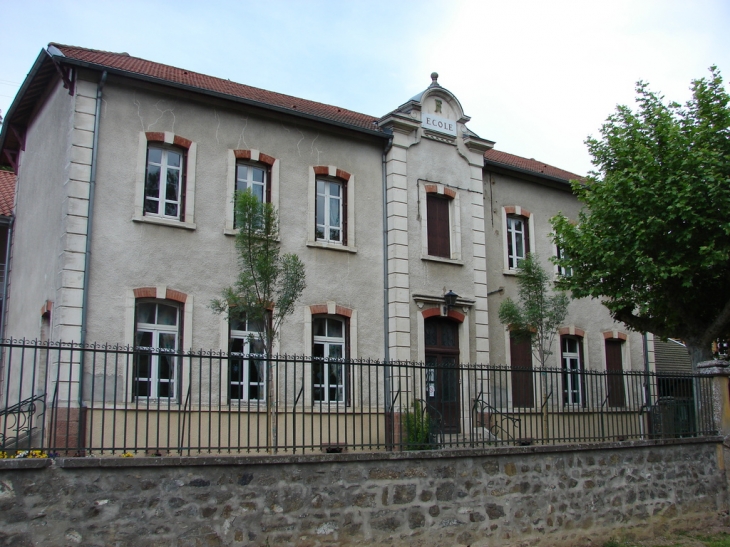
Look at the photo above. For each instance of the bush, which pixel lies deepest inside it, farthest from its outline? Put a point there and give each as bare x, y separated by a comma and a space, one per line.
418, 429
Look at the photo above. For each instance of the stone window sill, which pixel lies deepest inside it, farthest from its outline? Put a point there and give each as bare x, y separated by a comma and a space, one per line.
164, 222
331, 246
442, 260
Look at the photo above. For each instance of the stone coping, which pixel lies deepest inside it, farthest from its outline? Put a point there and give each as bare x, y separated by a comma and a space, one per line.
237, 460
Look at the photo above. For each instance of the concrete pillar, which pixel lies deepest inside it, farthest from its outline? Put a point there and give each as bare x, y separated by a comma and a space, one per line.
720, 373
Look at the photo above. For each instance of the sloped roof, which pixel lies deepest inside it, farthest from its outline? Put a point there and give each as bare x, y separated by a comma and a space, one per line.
170, 74
43, 70
7, 193
531, 165
671, 356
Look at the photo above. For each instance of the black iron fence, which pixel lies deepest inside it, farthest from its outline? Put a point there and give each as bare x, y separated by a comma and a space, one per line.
114, 400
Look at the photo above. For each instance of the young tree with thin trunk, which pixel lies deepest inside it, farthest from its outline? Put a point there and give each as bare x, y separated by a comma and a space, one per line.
537, 316
268, 285
653, 241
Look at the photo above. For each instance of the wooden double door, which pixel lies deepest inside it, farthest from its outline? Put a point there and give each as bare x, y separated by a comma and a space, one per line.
442, 373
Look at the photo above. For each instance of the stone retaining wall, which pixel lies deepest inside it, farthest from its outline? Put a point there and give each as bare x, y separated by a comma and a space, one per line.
518, 496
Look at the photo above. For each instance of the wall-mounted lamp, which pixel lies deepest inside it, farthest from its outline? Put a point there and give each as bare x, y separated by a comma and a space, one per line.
450, 301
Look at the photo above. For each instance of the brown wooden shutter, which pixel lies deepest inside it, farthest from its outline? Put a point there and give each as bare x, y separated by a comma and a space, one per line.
526, 231
614, 373
522, 381
439, 228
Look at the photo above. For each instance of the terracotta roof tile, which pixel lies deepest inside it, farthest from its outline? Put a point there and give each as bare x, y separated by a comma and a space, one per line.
135, 65
7, 193
510, 160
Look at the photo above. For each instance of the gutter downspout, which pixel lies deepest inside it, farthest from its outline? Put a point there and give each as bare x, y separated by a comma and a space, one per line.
386, 322
647, 382
87, 256
5, 280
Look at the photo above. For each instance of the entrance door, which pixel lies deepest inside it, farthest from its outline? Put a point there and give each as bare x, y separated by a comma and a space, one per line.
442, 374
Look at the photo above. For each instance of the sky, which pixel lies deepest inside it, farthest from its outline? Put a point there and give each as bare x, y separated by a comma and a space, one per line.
538, 77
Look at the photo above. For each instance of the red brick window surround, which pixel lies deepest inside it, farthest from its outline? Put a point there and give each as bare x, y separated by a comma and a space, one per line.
165, 190
436, 312
253, 173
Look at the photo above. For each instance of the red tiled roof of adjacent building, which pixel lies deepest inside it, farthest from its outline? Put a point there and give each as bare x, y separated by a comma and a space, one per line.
510, 160
135, 65
7, 193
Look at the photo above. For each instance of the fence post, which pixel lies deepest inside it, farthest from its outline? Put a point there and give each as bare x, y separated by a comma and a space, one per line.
719, 372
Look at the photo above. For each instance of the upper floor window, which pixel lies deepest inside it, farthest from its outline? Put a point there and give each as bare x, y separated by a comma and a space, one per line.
331, 214
164, 183
565, 272
165, 180
518, 240
440, 222
250, 170
157, 342
331, 209
247, 364
253, 178
439, 226
329, 351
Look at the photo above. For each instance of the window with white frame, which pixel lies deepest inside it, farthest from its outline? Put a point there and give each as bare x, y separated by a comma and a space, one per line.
253, 178
329, 372
247, 366
330, 221
565, 272
572, 364
157, 342
164, 183
518, 240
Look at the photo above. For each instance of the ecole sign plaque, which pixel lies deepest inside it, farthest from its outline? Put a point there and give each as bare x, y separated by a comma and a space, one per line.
439, 124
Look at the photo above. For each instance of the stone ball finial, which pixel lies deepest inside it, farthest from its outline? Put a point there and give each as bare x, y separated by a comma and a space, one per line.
434, 77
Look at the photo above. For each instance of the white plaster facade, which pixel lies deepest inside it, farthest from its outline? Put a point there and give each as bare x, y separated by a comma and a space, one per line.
384, 274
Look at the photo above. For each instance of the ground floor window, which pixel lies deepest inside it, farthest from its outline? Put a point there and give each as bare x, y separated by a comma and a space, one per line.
571, 353
157, 342
523, 389
329, 352
246, 364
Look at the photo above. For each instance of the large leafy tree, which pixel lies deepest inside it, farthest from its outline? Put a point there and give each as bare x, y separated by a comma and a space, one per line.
653, 240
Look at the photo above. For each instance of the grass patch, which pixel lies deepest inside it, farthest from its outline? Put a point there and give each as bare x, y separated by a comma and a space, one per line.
719, 540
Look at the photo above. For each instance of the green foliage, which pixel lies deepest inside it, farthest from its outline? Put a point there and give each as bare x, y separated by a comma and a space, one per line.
269, 283
653, 241
539, 313
720, 540
418, 428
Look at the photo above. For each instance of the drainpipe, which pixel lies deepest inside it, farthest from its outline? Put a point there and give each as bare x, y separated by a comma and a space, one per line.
647, 380
5, 280
386, 322
87, 256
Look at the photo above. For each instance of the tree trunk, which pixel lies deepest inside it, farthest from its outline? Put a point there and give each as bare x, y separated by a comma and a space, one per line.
698, 352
